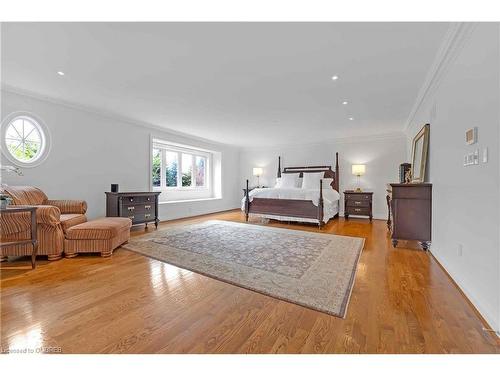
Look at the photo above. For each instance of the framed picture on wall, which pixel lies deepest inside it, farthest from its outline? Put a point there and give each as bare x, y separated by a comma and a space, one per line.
419, 154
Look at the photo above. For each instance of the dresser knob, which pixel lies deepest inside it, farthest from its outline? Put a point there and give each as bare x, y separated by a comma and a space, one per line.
147, 207
357, 209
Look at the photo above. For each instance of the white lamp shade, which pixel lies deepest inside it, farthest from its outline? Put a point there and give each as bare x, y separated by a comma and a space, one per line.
358, 169
257, 171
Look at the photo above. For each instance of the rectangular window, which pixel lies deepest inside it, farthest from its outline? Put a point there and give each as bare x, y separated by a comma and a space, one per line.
200, 170
156, 167
187, 170
171, 168
177, 168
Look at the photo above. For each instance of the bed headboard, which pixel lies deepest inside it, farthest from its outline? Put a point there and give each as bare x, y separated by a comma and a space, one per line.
329, 173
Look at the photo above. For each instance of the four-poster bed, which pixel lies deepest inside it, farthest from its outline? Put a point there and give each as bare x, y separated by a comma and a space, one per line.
310, 210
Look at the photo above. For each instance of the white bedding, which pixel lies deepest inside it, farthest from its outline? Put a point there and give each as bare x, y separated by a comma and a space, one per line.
330, 200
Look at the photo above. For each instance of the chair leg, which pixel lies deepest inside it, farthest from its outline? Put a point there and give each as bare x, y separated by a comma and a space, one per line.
106, 254
52, 257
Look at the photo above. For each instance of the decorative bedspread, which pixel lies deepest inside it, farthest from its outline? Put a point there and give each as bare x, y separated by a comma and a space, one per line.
331, 198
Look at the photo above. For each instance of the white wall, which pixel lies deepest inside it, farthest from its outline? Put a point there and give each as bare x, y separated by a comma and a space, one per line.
466, 199
90, 151
382, 156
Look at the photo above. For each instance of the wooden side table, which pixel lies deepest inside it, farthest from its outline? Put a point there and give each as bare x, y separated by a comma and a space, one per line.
33, 240
358, 203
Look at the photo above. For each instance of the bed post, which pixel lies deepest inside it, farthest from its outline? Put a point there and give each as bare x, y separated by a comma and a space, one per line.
247, 203
279, 167
337, 175
320, 204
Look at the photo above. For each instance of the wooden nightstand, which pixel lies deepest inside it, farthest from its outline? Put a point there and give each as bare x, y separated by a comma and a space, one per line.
358, 203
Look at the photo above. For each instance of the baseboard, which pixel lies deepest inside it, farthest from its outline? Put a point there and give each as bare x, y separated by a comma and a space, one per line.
485, 318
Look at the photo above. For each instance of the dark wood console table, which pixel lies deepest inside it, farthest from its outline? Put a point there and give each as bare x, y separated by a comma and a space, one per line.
33, 239
140, 207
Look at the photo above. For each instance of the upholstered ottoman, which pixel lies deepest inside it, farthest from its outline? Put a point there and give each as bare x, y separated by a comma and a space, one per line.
97, 236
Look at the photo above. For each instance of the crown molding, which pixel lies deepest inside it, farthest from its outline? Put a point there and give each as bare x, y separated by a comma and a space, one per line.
106, 114
454, 40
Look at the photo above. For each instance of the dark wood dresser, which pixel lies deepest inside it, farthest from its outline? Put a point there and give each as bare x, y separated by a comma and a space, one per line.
410, 212
141, 207
358, 203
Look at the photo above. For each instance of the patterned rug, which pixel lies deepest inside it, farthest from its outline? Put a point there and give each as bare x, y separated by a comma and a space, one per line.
310, 269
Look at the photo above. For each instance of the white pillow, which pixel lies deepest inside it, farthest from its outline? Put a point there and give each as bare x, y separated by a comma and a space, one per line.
289, 180
278, 183
311, 180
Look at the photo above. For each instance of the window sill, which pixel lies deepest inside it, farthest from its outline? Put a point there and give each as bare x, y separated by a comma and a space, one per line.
189, 200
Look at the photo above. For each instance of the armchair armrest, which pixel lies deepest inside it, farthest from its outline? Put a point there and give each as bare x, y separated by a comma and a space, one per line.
50, 215
69, 206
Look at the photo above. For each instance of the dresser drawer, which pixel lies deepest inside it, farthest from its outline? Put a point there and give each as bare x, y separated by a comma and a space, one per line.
139, 216
358, 210
138, 199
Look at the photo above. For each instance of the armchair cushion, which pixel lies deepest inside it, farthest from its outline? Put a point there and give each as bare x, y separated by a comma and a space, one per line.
70, 220
68, 206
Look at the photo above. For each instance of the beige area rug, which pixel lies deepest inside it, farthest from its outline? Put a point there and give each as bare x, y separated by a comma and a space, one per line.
310, 269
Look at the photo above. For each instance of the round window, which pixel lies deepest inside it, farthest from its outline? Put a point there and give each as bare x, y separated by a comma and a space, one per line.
24, 140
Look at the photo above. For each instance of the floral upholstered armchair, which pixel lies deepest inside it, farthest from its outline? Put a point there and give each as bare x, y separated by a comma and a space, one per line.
54, 218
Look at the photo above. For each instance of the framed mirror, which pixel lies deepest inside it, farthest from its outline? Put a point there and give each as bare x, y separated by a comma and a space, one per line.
419, 154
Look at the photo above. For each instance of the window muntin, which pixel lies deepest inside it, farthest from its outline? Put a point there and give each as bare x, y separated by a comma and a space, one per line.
180, 168
24, 139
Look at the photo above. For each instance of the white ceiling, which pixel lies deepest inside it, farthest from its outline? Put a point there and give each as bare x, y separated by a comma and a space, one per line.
248, 84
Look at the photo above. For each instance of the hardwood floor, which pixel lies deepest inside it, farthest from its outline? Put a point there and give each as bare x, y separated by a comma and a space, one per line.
402, 302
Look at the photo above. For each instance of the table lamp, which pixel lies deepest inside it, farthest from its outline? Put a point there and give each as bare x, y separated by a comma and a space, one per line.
257, 171
358, 170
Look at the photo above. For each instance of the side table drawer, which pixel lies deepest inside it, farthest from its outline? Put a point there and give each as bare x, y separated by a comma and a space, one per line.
358, 210
358, 203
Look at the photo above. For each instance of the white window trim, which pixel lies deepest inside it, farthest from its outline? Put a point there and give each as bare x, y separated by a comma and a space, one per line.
45, 134
180, 149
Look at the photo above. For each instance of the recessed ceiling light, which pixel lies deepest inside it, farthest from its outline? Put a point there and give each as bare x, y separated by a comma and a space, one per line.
334, 78
345, 103
60, 73
351, 118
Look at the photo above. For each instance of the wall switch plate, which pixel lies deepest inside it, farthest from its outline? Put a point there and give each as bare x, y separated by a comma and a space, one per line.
485, 155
